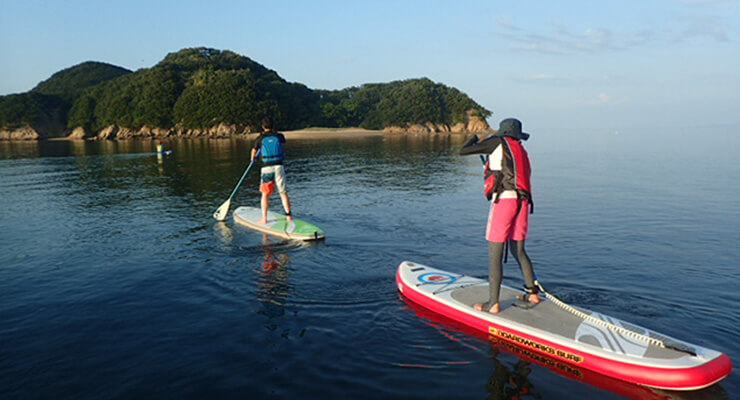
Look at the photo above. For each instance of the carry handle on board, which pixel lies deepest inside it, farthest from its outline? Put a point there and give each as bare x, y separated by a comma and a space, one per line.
221, 212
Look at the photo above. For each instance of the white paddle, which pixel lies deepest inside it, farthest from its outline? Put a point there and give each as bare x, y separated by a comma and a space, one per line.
220, 214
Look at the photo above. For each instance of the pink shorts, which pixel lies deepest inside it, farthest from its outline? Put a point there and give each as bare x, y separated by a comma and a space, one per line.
508, 220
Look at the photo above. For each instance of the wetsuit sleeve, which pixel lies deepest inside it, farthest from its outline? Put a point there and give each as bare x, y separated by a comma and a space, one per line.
281, 138
258, 142
484, 147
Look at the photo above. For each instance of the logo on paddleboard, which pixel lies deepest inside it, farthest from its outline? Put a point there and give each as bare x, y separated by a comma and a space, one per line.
437, 278
608, 339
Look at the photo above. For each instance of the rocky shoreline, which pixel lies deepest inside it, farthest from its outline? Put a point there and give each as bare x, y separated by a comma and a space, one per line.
114, 132
220, 131
473, 125
27, 132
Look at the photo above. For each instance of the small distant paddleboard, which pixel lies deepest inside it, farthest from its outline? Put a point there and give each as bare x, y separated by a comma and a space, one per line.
556, 332
277, 224
165, 152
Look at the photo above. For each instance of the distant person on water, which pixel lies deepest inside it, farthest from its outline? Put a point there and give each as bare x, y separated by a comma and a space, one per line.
272, 174
507, 185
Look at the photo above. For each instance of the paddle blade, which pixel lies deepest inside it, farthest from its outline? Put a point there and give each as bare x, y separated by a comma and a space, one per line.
220, 214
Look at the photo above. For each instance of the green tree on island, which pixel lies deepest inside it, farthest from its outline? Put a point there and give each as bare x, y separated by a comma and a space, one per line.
199, 88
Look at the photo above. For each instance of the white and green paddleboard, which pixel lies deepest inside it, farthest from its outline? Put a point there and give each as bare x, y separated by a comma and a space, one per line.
277, 224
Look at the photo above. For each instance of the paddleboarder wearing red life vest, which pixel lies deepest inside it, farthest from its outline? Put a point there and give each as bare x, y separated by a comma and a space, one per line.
507, 185
270, 145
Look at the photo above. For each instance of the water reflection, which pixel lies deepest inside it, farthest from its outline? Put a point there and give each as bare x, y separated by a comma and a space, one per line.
203, 169
272, 279
160, 163
403, 163
18, 149
224, 233
509, 383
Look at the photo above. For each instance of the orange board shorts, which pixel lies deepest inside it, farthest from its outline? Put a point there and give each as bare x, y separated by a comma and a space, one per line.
267, 187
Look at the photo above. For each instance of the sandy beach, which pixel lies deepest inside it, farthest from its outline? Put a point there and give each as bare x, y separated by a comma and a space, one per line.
333, 133
322, 133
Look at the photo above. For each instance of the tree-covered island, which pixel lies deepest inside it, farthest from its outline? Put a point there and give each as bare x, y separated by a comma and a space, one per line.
208, 92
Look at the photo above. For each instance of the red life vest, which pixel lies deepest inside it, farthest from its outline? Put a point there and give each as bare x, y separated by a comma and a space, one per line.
514, 174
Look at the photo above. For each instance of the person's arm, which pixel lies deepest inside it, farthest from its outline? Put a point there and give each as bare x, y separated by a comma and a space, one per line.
255, 148
473, 146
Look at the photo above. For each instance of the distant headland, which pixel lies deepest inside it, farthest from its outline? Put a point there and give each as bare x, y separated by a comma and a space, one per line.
203, 92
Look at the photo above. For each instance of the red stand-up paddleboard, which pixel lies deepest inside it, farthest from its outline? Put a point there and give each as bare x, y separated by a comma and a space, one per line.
580, 337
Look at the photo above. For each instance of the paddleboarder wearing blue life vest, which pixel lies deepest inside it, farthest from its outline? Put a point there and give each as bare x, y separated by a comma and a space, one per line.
270, 145
507, 185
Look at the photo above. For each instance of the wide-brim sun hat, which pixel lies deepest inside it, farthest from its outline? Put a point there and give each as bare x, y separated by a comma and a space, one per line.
512, 127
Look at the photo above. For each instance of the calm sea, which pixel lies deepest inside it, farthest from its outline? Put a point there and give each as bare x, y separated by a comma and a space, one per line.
116, 282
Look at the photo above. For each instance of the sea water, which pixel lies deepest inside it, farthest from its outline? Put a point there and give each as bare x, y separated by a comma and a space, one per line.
116, 282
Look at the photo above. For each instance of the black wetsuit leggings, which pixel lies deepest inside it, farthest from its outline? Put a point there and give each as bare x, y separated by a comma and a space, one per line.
495, 270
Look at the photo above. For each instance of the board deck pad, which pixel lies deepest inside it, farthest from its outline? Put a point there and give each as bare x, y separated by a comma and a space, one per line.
549, 317
555, 331
278, 224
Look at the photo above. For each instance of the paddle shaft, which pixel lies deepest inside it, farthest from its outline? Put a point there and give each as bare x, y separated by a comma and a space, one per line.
244, 175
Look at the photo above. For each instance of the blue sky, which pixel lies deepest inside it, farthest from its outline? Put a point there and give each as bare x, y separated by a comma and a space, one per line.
606, 65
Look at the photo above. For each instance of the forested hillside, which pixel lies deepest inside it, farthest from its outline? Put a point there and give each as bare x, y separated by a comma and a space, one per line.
197, 89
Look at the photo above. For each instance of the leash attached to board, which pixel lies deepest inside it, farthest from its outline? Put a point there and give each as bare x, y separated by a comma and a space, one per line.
609, 325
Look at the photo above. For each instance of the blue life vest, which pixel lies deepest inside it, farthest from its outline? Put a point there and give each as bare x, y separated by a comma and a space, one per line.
272, 149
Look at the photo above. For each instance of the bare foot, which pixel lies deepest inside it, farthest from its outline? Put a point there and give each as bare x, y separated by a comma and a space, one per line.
289, 218
481, 307
262, 221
